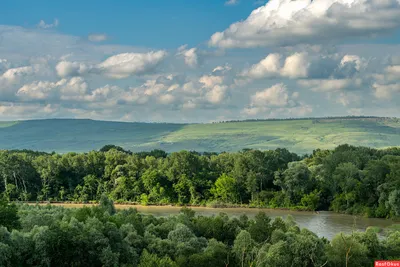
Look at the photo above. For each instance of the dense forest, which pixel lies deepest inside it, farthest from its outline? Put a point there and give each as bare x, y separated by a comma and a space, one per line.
348, 179
101, 236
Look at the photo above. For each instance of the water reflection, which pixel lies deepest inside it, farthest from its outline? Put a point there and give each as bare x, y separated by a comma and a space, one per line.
324, 224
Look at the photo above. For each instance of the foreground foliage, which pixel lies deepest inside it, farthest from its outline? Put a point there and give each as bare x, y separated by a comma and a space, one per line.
101, 236
347, 179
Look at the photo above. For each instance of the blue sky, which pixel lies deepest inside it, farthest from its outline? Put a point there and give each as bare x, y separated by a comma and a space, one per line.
157, 24
199, 61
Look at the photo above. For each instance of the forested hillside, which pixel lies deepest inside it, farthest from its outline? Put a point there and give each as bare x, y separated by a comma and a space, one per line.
347, 179
297, 135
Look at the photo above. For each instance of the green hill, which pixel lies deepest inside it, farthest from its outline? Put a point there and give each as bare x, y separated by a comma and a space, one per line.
297, 135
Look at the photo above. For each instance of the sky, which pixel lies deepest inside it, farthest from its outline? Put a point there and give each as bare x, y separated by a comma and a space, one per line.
199, 61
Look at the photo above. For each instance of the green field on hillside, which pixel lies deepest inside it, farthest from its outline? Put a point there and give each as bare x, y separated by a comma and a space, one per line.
4, 124
301, 136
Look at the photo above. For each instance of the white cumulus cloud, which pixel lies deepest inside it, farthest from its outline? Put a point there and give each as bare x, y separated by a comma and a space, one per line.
216, 94
127, 64
190, 56
42, 24
276, 95
166, 99
386, 91
219, 70
210, 81
294, 66
66, 68
330, 85
305, 65
269, 66
40, 90
289, 22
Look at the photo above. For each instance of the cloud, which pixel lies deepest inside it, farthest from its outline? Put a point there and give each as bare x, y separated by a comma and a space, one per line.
296, 66
276, 101
97, 37
210, 81
4, 65
231, 2
18, 111
127, 64
305, 65
43, 24
393, 70
348, 98
14, 74
205, 92
75, 89
268, 67
103, 93
194, 57
38, 90
118, 66
276, 96
359, 62
189, 105
288, 22
213, 86
390, 74
45, 73
166, 99
165, 90
216, 94
330, 85
387, 84
66, 68
12, 77
220, 70
385, 92
190, 56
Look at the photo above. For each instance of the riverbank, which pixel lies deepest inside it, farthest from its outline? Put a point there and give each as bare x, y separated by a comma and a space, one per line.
222, 208
136, 204
219, 205
324, 224
126, 205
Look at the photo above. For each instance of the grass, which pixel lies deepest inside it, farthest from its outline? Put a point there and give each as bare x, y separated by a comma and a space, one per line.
374, 229
300, 136
4, 124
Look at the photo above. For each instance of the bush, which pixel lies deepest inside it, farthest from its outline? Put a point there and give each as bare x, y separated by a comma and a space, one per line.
8, 215
311, 201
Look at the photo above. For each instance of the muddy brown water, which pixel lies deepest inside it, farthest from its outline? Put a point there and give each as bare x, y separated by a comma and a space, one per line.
324, 223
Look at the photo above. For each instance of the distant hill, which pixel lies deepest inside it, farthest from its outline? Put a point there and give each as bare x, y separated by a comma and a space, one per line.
297, 135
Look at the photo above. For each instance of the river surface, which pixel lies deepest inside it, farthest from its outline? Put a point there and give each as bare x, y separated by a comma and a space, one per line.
324, 224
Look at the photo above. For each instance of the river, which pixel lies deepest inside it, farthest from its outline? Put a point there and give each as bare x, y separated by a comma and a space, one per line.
324, 224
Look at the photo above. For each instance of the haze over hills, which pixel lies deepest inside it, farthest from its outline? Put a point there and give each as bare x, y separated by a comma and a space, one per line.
297, 135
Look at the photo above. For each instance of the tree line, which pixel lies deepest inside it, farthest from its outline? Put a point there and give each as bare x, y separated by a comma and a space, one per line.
101, 236
315, 119
348, 179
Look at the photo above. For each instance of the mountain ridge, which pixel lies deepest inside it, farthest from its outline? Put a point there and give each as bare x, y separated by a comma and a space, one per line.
300, 135
227, 121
